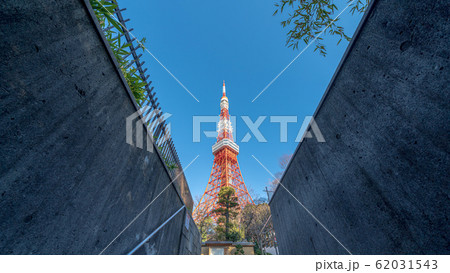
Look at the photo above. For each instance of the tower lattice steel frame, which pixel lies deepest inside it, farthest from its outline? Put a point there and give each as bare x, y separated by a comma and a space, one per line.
225, 170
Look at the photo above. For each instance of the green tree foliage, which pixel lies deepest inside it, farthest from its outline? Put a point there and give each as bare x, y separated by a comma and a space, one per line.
103, 11
227, 228
257, 249
235, 233
308, 18
206, 227
239, 250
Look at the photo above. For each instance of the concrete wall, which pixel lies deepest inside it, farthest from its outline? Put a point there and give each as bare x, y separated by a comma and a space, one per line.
189, 238
69, 182
380, 182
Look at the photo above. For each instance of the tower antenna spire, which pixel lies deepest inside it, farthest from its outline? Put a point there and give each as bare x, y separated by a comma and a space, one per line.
224, 92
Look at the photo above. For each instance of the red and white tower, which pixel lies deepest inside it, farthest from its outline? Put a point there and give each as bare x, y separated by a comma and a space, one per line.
225, 171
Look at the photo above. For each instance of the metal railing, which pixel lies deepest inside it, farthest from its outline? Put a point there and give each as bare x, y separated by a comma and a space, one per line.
152, 115
155, 231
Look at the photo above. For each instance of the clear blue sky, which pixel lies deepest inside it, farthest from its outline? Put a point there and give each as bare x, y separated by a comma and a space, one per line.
205, 42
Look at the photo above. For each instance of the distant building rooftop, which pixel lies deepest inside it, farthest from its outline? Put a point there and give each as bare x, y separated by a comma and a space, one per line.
226, 248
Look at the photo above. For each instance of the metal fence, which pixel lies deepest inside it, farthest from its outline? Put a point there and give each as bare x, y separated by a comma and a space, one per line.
152, 113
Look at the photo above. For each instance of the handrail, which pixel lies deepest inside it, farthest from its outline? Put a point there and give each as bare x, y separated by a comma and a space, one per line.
154, 232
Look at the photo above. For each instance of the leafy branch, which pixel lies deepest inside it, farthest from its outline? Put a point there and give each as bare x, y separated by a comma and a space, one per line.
307, 19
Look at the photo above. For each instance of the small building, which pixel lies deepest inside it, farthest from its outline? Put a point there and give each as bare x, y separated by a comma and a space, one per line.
226, 248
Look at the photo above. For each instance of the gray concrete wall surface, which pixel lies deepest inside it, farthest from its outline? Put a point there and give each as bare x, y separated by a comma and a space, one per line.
189, 242
380, 182
69, 182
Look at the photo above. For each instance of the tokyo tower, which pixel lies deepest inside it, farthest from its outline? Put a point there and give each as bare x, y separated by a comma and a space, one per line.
225, 171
